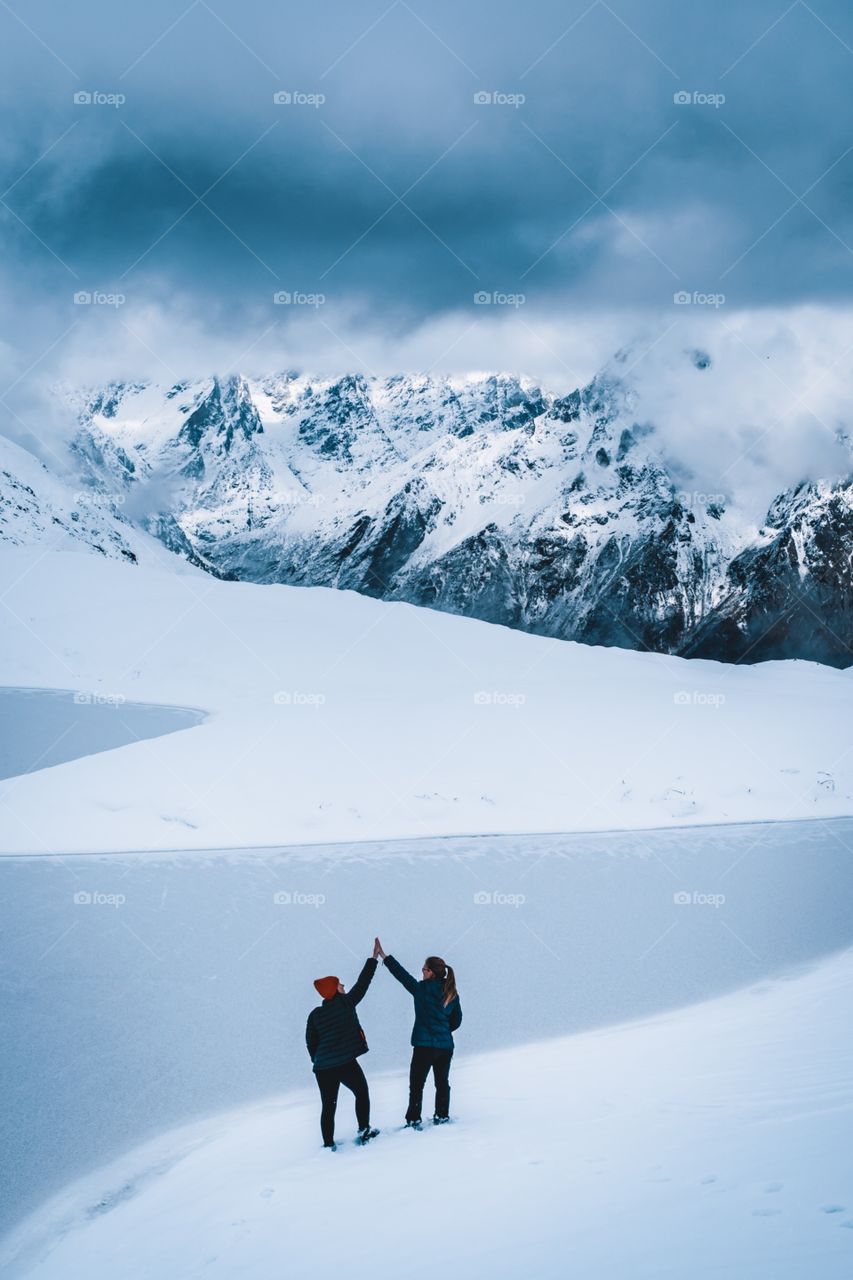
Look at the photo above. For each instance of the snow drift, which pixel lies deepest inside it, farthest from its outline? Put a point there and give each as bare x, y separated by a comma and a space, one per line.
709, 1142
337, 717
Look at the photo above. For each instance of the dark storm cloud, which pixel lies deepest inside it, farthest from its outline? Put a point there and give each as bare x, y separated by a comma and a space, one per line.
493, 196
663, 148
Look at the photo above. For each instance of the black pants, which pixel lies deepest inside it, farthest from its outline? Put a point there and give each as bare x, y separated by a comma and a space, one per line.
330, 1080
422, 1060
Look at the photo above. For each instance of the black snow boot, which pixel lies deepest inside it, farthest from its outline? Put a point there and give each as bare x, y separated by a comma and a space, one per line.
441, 1119
364, 1135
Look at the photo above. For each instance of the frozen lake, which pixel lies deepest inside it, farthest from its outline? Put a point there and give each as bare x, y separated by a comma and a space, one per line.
44, 727
141, 991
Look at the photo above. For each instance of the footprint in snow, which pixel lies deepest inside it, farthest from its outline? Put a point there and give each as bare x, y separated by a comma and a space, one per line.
766, 1213
267, 1192
712, 1177
111, 1200
832, 1208
773, 1186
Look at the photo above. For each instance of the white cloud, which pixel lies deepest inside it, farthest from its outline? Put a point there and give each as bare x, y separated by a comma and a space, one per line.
766, 413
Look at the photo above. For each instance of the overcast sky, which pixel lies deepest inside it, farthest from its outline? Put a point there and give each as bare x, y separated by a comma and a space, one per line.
631, 151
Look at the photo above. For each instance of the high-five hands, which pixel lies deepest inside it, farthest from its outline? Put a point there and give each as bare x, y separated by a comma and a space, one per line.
377, 949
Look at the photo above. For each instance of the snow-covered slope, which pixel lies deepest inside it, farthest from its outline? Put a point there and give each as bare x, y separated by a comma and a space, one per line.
38, 510
709, 1142
486, 496
338, 717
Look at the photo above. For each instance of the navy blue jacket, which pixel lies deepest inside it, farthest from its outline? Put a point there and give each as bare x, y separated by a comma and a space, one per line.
333, 1033
435, 1021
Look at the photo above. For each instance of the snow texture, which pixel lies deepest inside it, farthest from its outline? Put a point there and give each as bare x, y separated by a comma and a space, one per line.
714, 1141
336, 717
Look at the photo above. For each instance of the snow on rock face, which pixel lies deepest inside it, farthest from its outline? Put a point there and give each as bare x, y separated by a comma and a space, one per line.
486, 497
791, 592
38, 510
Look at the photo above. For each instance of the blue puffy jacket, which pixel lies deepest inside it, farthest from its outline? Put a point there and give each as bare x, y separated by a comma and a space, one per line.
435, 1021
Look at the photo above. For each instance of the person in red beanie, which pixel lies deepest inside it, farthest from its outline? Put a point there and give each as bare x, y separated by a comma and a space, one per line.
335, 1041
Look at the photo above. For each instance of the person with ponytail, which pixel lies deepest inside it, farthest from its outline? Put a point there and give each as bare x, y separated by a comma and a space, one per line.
438, 1014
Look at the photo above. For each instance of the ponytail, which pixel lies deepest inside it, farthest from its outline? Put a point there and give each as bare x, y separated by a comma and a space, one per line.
444, 974
450, 991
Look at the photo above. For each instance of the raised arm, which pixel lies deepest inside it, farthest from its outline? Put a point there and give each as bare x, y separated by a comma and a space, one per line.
394, 967
363, 981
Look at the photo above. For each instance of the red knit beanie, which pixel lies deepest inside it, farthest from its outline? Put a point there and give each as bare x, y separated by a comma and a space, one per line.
327, 987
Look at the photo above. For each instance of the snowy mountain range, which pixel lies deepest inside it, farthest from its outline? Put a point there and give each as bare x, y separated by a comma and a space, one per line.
38, 508
485, 496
